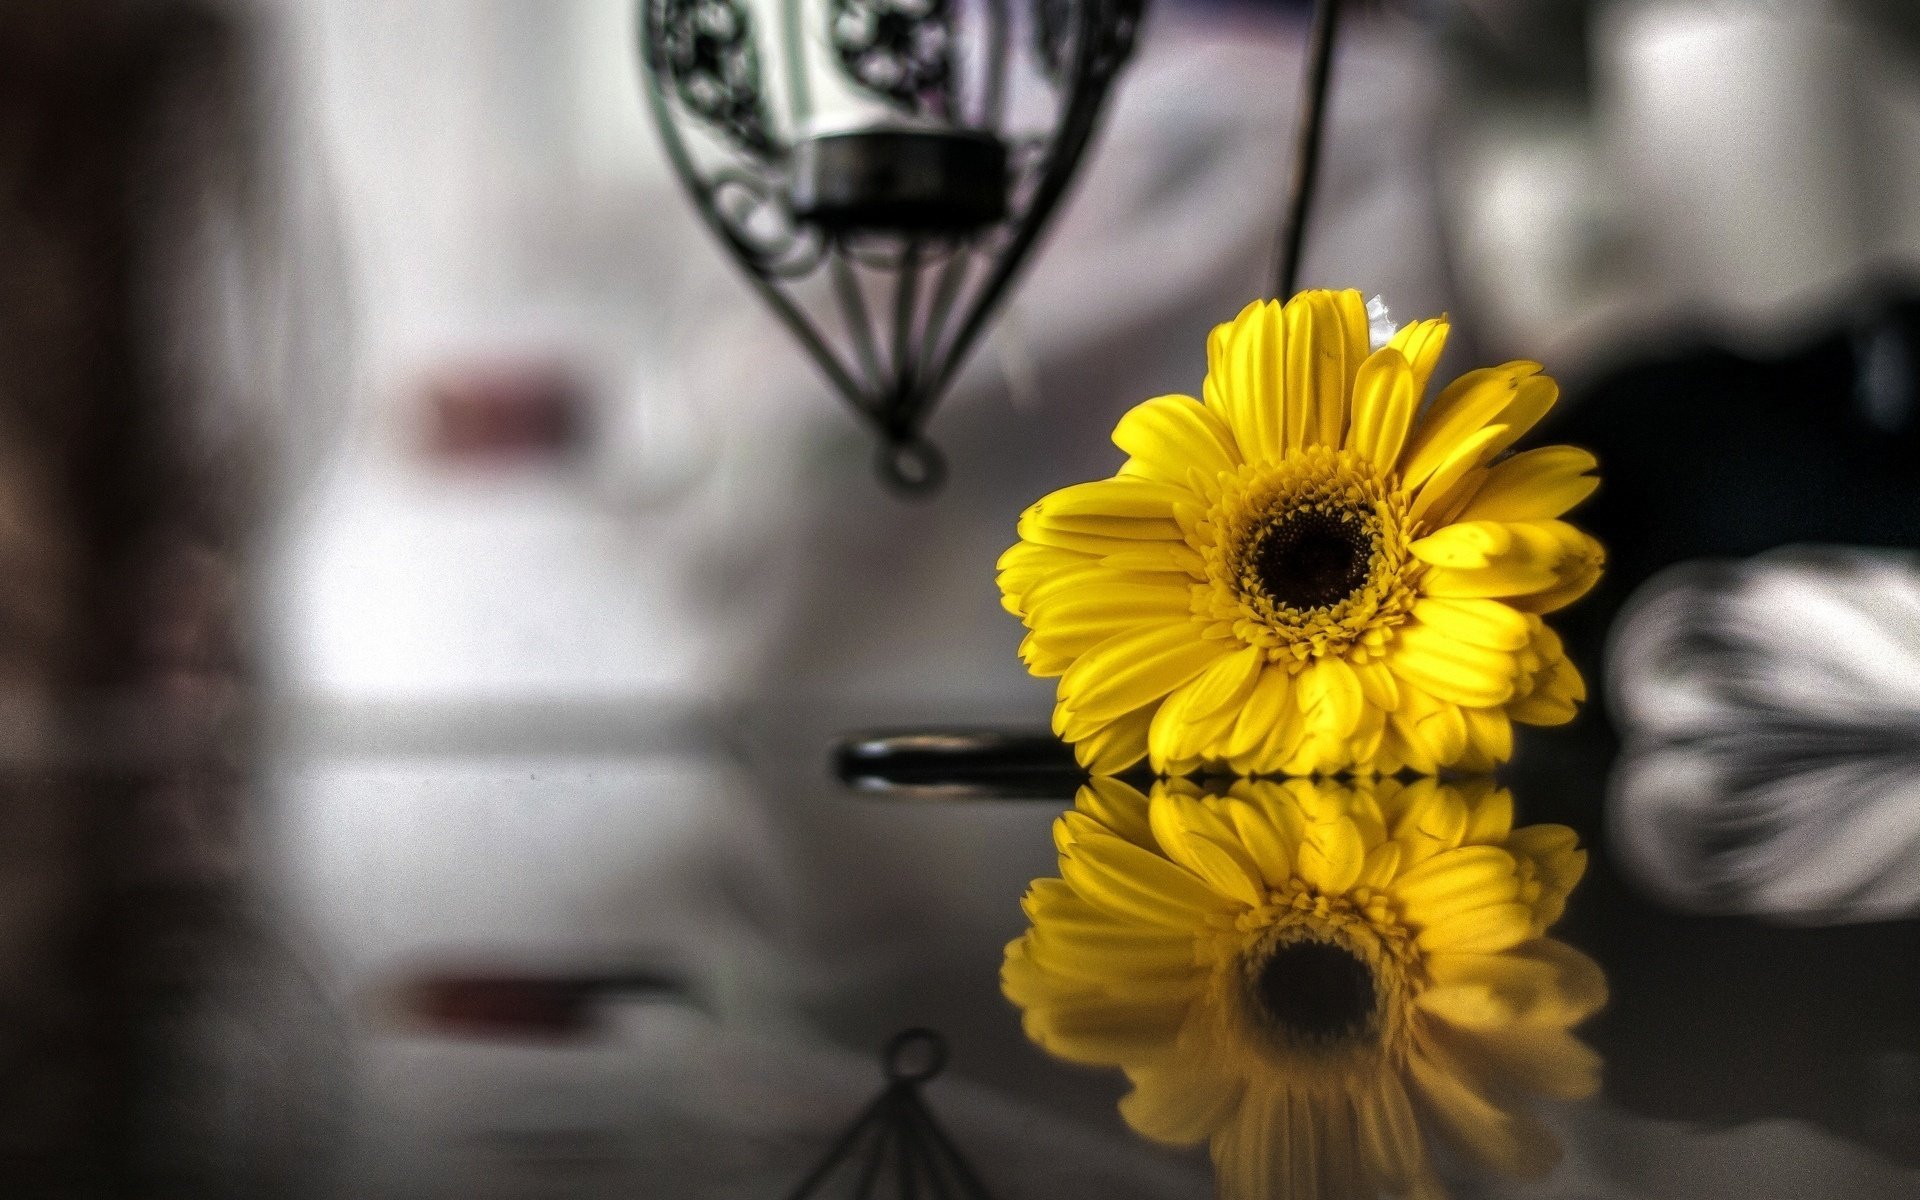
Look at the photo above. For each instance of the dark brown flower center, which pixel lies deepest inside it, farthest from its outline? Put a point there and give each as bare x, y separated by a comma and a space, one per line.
1316, 991
1313, 558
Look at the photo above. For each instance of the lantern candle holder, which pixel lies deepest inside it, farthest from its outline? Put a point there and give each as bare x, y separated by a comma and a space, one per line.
881, 169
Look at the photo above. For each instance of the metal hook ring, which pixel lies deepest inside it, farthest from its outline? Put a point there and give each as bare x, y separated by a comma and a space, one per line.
914, 1055
913, 467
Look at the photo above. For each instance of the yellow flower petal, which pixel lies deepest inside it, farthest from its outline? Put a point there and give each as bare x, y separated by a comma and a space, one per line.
1421, 342
1304, 1162
1389, 1134
1580, 565
1330, 856
1203, 712
1363, 745
1534, 485
1127, 881
1483, 930
1245, 365
1319, 365
1555, 863
1384, 397
1540, 980
1454, 672
1250, 1153
1027, 564
1330, 697
1533, 399
1135, 668
1381, 865
1531, 563
1121, 808
1543, 1058
1092, 544
1270, 838
1457, 477
1225, 685
1170, 436
1279, 748
1489, 819
1156, 558
1084, 572
1046, 658
1099, 1030
1116, 745
1554, 701
1126, 959
1088, 1024
1176, 739
1262, 712
1377, 685
1463, 408
1181, 1102
1514, 396
1454, 882
1106, 608
1431, 727
1480, 622
1120, 500
1465, 545
1199, 841
1428, 810
1506, 1141
1349, 310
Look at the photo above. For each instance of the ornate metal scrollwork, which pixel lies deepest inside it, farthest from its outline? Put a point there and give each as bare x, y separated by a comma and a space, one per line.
761, 229
899, 50
1052, 25
885, 239
704, 49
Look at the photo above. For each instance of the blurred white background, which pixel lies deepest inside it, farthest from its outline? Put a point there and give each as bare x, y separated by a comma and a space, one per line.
576, 709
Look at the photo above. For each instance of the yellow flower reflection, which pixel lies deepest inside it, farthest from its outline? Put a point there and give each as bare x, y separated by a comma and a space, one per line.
1307, 572
1310, 976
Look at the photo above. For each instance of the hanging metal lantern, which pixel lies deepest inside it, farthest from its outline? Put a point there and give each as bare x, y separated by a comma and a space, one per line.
881, 169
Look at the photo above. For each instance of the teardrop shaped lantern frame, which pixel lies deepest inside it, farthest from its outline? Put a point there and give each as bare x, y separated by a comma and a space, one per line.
932, 211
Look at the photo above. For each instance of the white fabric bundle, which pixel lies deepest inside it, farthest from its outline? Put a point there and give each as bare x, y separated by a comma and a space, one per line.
1771, 712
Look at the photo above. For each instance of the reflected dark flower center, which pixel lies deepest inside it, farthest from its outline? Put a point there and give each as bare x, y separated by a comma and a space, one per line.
1316, 990
1313, 558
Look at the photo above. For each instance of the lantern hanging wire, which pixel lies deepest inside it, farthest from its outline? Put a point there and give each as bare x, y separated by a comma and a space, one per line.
1316, 83
886, 246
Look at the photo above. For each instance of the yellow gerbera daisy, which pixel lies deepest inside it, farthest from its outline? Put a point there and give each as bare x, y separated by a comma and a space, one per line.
1305, 573
1291, 971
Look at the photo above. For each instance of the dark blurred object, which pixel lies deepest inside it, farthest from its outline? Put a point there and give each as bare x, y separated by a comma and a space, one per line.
145, 320
247, 1088
907, 175
1706, 454
1771, 713
521, 1005
506, 412
958, 764
1516, 47
896, 1142
925, 180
